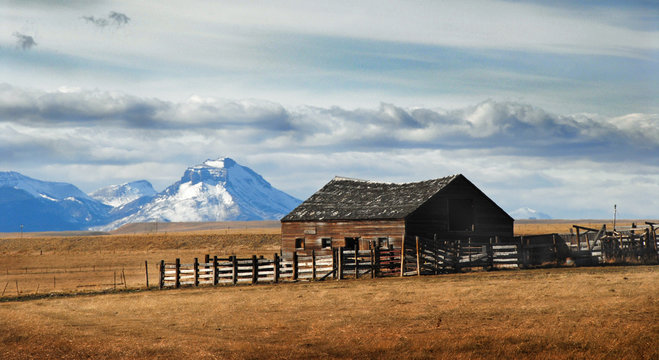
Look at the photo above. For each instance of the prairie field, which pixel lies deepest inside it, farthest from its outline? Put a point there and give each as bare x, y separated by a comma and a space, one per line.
535, 227
74, 297
41, 263
38, 265
575, 313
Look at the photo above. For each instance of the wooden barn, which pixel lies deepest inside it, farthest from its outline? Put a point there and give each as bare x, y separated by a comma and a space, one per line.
358, 213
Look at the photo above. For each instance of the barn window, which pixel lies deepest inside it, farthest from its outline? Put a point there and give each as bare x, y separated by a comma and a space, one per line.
299, 244
383, 243
352, 243
326, 243
461, 214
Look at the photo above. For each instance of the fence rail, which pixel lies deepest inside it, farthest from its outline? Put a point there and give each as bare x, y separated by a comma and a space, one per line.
425, 257
418, 256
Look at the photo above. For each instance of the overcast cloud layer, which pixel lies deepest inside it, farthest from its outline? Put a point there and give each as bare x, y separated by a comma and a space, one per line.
550, 105
521, 154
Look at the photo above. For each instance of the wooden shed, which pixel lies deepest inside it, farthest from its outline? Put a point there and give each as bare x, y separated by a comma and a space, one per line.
350, 212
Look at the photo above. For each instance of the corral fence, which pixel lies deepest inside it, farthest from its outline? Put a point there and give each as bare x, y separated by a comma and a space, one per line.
417, 256
629, 244
426, 256
338, 264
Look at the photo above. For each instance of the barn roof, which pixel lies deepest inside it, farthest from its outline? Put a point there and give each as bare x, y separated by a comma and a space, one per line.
354, 199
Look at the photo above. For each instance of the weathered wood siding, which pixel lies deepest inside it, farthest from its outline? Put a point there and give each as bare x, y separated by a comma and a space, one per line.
314, 231
433, 217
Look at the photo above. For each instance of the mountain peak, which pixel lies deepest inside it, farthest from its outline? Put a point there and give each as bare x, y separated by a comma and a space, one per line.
118, 195
220, 163
528, 213
216, 190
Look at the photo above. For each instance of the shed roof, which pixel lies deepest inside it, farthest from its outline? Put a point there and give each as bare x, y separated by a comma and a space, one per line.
354, 199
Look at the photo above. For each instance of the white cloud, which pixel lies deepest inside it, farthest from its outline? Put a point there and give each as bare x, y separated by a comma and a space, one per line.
509, 126
521, 155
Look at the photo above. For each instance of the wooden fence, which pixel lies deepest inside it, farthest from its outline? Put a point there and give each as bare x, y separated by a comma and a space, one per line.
624, 245
425, 256
251, 270
418, 256
341, 263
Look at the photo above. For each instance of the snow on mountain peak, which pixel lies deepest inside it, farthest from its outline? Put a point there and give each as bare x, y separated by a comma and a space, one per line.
46, 205
528, 213
216, 190
38, 188
221, 163
118, 195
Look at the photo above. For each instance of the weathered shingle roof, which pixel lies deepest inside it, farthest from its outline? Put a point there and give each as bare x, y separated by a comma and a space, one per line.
352, 199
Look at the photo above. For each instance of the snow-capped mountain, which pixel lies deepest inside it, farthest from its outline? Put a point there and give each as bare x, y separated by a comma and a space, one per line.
528, 213
42, 205
119, 195
216, 190
37, 188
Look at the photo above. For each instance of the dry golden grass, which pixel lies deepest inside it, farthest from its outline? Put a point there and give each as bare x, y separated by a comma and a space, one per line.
44, 263
91, 263
208, 226
536, 227
576, 313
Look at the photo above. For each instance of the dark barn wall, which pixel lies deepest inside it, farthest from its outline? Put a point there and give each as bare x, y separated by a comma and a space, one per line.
434, 217
314, 231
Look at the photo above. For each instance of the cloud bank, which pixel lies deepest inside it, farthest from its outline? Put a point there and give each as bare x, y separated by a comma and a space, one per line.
511, 127
575, 165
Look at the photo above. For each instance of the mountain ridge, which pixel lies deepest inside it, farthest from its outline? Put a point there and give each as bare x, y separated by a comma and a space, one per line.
216, 190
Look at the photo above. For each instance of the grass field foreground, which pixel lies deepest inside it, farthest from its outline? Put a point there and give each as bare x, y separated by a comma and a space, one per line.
576, 313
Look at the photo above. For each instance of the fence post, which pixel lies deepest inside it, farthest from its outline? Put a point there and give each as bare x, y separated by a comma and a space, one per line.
402, 257
469, 247
234, 273
490, 255
340, 258
373, 262
295, 265
521, 259
255, 269
196, 271
356, 259
334, 263
418, 258
435, 253
177, 276
313, 264
162, 275
458, 255
276, 268
378, 264
555, 248
215, 271
207, 259
447, 255
146, 271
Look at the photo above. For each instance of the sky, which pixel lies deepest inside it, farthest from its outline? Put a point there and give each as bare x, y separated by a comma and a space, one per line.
551, 105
